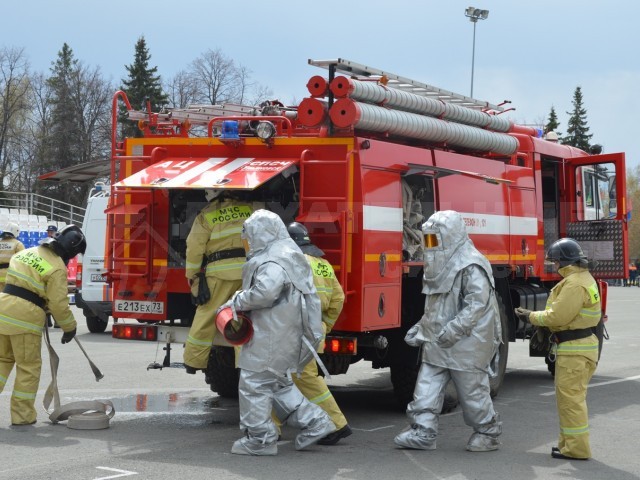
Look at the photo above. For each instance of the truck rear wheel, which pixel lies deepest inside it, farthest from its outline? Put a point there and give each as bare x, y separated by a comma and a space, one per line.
222, 374
95, 324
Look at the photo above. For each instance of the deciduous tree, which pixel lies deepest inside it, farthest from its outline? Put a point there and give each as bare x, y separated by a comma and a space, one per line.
14, 108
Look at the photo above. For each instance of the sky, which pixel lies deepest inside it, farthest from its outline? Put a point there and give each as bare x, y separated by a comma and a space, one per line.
534, 54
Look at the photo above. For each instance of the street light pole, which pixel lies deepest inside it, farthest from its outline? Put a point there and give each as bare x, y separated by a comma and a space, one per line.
474, 14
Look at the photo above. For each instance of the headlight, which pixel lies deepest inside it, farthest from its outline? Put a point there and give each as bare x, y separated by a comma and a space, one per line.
265, 130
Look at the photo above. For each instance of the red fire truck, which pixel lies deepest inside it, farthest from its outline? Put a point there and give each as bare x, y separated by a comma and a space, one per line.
362, 162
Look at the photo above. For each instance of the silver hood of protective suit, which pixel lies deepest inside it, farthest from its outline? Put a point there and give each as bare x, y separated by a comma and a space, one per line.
454, 252
269, 241
280, 297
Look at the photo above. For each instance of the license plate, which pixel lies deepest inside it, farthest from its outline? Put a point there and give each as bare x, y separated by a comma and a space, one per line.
98, 277
134, 306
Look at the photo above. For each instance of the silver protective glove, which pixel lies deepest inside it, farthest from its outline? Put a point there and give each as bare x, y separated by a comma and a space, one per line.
227, 304
414, 336
447, 337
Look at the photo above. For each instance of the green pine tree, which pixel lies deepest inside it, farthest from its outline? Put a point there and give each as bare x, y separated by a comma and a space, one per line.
142, 85
577, 130
553, 123
64, 122
63, 142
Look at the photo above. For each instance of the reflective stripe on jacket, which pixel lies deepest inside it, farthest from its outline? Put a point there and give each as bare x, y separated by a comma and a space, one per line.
42, 272
574, 304
329, 290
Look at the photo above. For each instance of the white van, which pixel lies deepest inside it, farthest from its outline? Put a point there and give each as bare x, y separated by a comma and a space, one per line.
94, 295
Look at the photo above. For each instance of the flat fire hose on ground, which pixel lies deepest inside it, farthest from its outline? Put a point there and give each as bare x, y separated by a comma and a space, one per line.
83, 415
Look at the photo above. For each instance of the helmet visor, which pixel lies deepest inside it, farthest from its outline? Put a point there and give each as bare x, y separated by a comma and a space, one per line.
431, 240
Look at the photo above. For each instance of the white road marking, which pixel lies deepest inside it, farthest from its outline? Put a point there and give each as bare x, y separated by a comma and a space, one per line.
411, 456
620, 380
373, 429
121, 473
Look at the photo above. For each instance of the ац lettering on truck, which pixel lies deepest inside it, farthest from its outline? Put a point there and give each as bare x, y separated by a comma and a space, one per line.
361, 162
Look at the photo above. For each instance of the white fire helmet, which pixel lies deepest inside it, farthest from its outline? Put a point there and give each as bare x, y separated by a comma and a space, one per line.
12, 229
212, 193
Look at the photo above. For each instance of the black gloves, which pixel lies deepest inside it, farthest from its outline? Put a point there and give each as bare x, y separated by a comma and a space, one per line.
68, 336
203, 290
523, 314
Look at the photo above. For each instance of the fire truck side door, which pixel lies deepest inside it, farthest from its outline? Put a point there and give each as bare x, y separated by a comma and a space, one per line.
597, 212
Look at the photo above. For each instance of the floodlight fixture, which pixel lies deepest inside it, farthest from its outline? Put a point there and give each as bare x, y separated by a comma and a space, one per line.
474, 14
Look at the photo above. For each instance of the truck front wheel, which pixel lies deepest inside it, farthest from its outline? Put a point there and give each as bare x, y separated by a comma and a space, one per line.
222, 374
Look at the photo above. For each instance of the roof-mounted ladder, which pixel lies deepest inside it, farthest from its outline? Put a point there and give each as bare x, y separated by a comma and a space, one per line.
196, 114
362, 72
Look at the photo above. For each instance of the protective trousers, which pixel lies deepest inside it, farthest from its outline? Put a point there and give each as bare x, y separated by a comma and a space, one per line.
203, 329
314, 388
573, 373
473, 395
23, 350
260, 392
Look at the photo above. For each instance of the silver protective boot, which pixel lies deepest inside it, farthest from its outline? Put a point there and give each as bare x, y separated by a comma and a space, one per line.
253, 446
417, 438
479, 442
318, 429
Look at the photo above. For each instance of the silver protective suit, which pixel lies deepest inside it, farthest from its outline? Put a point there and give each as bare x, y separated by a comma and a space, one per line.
459, 334
279, 296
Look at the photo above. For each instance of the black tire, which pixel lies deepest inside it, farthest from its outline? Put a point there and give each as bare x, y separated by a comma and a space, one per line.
403, 379
221, 374
503, 351
96, 324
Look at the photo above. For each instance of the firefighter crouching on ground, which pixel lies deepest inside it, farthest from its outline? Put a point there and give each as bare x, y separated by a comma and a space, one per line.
460, 330
572, 313
215, 255
9, 244
279, 296
331, 296
36, 281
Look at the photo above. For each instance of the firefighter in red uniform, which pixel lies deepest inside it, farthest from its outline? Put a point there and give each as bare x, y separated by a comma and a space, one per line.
9, 244
36, 282
215, 255
572, 313
331, 296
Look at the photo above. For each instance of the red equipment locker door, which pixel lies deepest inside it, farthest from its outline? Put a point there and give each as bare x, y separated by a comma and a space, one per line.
597, 211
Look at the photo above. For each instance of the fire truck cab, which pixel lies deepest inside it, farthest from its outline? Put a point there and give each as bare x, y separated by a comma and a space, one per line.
361, 163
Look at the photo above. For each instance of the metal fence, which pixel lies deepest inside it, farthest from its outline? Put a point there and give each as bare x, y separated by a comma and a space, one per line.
16, 205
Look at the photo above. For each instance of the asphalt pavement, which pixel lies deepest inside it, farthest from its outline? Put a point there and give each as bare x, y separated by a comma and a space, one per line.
169, 425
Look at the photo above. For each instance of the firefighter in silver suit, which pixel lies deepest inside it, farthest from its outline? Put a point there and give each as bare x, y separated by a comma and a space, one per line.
279, 296
459, 334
